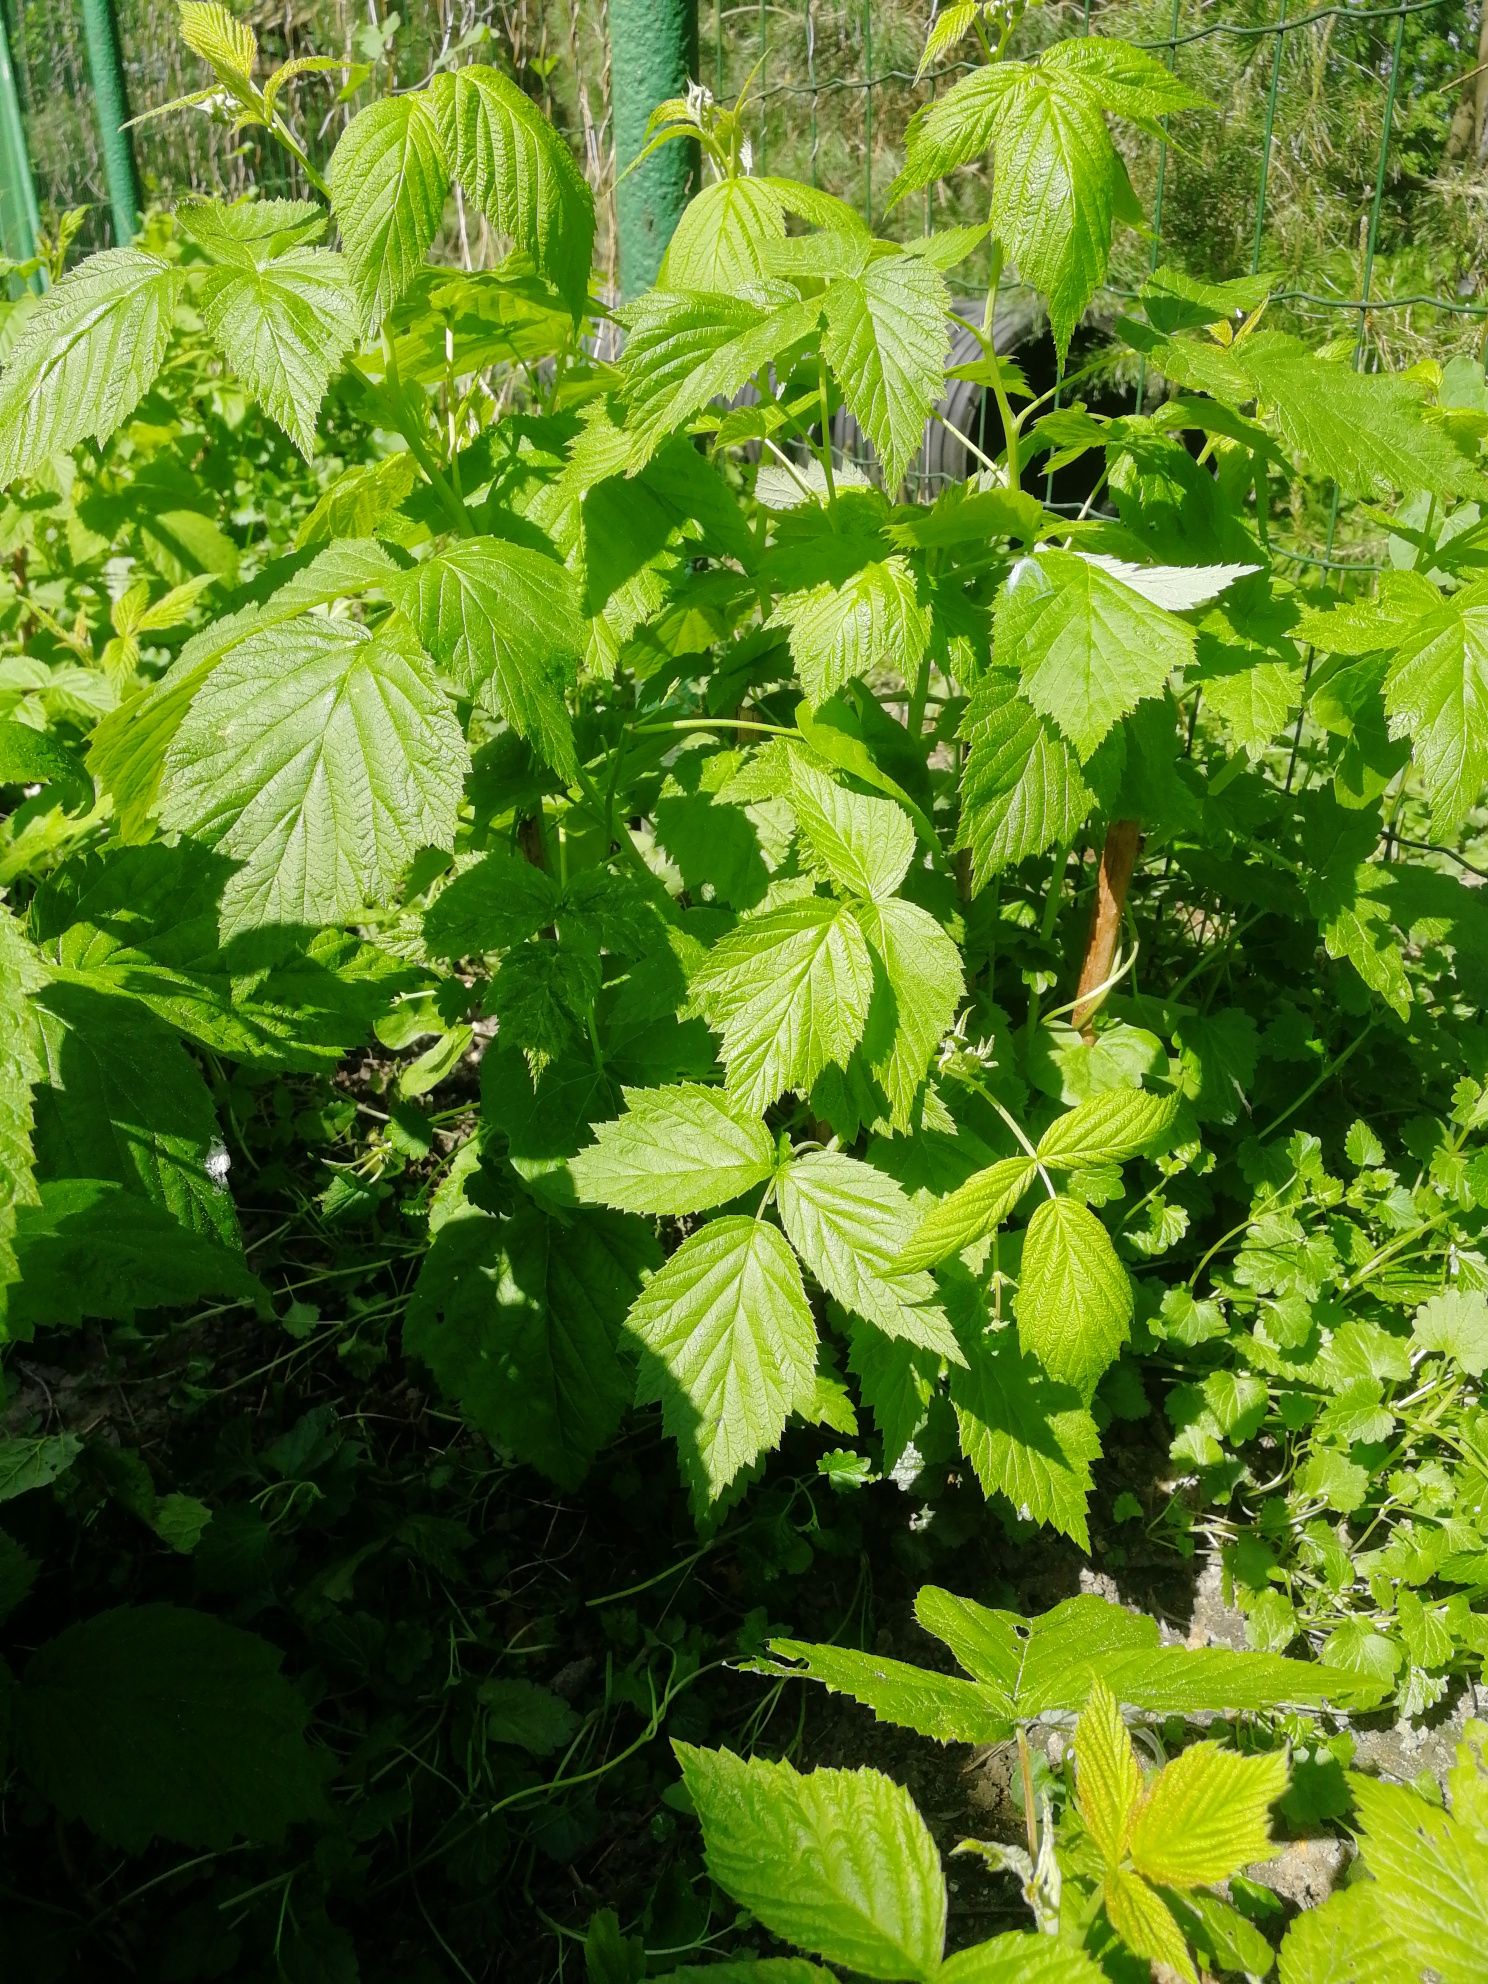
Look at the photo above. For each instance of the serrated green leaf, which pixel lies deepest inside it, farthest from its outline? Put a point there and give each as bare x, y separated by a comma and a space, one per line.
925, 983
788, 990
885, 335
1108, 1783
389, 181
284, 326
1109, 1128
848, 1222
1016, 1958
1045, 1665
1456, 1323
864, 845
212, 31
1021, 786
1366, 430
519, 172
155, 1722
1144, 1922
1074, 1303
498, 901
120, 1099
1432, 1872
1436, 694
1027, 1437
127, 749
872, 619
941, 1706
730, 1349
971, 1212
520, 1322
675, 1150
721, 241
92, 1251
683, 351
505, 621
1057, 182
20, 1068
838, 1862
1088, 648
320, 759
35, 1463
85, 356
1206, 1815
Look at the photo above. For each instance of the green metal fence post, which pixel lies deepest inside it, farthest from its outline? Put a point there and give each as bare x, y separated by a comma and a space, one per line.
20, 219
653, 56
111, 108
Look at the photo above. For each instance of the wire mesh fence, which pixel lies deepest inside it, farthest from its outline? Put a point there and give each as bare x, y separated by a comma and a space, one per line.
1344, 156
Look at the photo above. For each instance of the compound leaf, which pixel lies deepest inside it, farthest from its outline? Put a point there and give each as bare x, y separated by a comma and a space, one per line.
788, 989
885, 336
284, 325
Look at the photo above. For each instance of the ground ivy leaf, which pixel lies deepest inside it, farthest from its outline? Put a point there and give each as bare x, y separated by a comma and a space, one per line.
505, 621
320, 759
729, 1349
885, 337
788, 989
520, 1322
1074, 1302
1087, 648
838, 1862
1456, 1323
675, 1150
848, 1222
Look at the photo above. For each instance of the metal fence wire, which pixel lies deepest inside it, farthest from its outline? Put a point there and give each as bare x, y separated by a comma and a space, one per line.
1345, 154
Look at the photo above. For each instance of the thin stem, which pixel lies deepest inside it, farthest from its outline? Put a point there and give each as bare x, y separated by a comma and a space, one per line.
825, 400
1025, 1767
409, 427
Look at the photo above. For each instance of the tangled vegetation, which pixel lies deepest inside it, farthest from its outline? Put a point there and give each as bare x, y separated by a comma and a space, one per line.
626, 1062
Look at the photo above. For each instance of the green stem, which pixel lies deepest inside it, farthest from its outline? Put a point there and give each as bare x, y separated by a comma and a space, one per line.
713, 723
406, 419
825, 400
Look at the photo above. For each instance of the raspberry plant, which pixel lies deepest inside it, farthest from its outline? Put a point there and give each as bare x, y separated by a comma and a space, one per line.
924, 963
